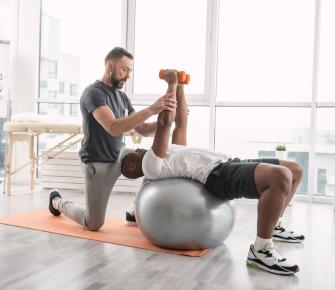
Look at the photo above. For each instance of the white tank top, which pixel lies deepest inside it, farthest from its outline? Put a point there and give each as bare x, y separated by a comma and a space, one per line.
181, 161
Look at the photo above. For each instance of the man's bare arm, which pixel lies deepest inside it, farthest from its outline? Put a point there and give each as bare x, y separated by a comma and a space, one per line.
147, 129
179, 135
162, 136
165, 119
118, 126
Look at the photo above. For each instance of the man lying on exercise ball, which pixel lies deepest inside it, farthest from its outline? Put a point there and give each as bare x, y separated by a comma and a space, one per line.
272, 181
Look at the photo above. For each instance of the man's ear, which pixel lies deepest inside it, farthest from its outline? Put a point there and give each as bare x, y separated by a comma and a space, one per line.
111, 65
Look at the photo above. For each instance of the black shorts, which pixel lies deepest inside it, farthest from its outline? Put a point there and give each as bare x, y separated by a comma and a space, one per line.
235, 178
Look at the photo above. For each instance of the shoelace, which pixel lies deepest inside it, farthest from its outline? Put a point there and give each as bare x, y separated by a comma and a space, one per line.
272, 249
282, 229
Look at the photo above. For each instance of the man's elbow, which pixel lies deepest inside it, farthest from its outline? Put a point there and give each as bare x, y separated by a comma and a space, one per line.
165, 123
165, 120
114, 130
139, 130
114, 133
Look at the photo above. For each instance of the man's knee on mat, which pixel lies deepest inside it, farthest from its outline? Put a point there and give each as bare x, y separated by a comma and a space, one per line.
94, 225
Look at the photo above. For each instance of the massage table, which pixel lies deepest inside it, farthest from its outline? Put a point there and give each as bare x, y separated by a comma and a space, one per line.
28, 132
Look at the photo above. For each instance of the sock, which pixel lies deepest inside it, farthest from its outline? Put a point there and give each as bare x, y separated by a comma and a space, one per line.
131, 210
279, 222
260, 243
55, 202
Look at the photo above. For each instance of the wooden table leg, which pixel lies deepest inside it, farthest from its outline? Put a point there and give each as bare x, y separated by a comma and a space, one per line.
32, 160
9, 165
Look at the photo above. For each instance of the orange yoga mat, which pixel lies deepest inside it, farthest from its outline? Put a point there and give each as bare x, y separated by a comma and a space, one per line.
114, 231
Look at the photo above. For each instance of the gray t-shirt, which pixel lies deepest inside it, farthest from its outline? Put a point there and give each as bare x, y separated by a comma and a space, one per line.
98, 145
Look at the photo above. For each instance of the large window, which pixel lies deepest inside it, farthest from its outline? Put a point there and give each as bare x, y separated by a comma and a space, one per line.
169, 34
325, 153
265, 50
75, 38
261, 70
58, 112
255, 132
6, 19
7, 8
277, 73
197, 131
326, 86
324, 172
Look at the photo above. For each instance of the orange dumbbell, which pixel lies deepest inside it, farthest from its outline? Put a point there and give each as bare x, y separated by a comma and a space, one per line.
183, 77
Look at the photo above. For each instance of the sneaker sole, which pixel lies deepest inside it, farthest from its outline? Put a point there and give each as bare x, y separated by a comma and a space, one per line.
277, 239
253, 264
52, 210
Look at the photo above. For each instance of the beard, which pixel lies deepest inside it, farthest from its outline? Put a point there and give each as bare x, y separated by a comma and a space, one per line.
117, 83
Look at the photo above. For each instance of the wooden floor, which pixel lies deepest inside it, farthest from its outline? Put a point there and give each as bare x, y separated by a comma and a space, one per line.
36, 260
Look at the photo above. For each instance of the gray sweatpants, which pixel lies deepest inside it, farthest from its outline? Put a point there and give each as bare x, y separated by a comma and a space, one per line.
99, 181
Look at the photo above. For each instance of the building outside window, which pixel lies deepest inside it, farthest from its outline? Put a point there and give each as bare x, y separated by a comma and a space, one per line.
61, 88
52, 69
74, 109
73, 90
52, 94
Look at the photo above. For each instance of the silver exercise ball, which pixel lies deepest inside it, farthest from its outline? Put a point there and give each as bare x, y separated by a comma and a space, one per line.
182, 214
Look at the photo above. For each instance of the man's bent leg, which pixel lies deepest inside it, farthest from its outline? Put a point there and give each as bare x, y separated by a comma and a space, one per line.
99, 181
270, 184
280, 233
297, 172
274, 184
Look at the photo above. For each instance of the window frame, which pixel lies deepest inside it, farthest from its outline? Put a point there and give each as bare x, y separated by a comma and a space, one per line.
208, 99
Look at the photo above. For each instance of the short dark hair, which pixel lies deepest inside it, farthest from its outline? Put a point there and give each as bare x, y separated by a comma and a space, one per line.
116, 53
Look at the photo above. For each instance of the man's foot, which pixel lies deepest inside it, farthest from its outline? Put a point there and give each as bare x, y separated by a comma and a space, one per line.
282, 235
54, 194
131, 219
270, 260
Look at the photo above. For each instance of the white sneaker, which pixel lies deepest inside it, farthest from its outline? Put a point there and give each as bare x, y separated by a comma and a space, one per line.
280, 234
270, 260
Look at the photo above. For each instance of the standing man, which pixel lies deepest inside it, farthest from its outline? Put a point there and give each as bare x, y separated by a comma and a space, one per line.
103, 106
